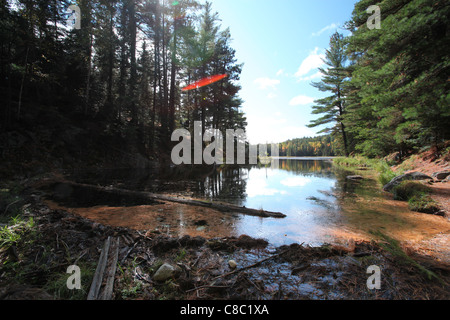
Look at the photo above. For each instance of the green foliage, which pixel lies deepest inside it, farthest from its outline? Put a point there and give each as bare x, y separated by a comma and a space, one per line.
99, 75
332, 108
317, 146
57, 284
385, 173
131, 291
398, 94
418, 196
10, 235
423, 203
408, 189
181, 256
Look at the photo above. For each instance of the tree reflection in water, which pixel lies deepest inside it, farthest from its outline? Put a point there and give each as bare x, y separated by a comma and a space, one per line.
229, 184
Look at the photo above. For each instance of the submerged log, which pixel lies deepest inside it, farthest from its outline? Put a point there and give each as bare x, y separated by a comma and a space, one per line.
89, 195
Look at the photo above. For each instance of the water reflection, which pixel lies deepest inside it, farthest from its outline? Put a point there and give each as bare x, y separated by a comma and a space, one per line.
239, 185
320, 203
302, 189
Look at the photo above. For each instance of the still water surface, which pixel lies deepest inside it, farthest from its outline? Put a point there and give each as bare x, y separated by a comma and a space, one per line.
321, 205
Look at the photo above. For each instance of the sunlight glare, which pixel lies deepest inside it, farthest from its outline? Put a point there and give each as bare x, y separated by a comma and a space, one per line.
204, 82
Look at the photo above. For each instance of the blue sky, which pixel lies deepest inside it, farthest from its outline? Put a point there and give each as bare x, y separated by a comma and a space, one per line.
281, 44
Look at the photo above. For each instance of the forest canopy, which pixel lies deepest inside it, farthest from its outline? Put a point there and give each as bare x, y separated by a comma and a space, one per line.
393, 94
121, 73
118, 80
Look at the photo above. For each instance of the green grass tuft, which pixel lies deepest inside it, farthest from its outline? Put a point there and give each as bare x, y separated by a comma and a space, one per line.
408, 189
393, 247
385, 173
423, 203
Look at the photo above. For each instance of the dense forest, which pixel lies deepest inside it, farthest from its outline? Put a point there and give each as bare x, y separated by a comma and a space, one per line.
388, 86
114, 85
115, 88
316, 146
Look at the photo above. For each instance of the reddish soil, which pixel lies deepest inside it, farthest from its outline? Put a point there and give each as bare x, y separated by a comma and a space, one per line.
437, 247
428, 163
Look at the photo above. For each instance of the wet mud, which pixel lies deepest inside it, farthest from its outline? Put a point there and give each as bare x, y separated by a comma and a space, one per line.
263, 272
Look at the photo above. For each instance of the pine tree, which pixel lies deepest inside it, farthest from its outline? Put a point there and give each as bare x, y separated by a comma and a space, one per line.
334, 77
400, 82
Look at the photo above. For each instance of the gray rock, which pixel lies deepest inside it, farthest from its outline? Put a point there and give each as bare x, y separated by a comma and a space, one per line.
404, 177
232, 264
355, 177
442, 175
166, 271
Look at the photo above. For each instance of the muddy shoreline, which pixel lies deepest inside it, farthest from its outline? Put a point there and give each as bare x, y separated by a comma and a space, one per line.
35, 267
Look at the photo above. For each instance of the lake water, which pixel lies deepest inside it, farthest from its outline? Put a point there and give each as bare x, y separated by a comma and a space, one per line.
320, 204
301, 189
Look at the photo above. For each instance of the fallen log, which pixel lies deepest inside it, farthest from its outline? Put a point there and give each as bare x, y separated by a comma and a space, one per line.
110, 272
106, 267
99, 272
94, 195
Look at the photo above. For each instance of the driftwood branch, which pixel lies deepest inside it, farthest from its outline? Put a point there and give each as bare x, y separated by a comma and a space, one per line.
106, 266
111, 271
151, 198
99, 272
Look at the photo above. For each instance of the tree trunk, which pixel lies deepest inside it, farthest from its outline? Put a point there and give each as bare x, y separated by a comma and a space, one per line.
341, 114
88, 80
164, 105
22, 83
173, 71
109, 98
133, 66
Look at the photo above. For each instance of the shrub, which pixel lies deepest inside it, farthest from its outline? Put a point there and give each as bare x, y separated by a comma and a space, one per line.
385, 173
386, 176
408, 189
423, 203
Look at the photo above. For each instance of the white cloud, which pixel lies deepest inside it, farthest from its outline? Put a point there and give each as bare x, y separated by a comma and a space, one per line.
271, 95
301, 100
265, 83
316, 75
312, 62
259, 187
296, 181
280, 72
275, 130
330, 27
292, 132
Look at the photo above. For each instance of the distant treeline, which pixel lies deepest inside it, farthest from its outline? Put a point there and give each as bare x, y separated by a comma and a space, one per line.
304, 147
322, 146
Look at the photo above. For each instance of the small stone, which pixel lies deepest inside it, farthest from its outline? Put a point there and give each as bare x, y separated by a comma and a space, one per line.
355, 177
164, 272
232, 264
